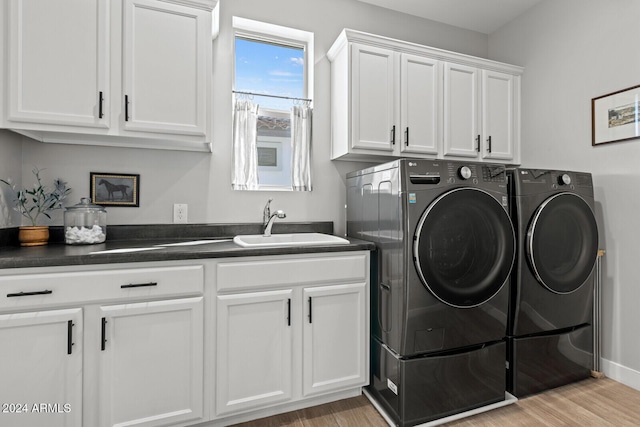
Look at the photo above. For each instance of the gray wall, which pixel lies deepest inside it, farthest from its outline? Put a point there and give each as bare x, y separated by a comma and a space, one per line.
203, 180
10, 167
573, 51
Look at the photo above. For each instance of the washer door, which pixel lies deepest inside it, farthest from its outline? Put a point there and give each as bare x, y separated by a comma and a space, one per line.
562, 242
464, 247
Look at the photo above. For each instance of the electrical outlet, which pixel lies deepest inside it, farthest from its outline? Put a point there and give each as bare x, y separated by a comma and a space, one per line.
180, 213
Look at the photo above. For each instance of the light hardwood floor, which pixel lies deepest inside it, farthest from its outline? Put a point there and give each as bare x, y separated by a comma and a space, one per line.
592, 402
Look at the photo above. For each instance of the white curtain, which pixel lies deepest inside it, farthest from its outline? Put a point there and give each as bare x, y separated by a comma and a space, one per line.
244, 174
301, 147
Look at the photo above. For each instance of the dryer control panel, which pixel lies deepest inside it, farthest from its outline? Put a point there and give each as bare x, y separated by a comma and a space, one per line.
554, 179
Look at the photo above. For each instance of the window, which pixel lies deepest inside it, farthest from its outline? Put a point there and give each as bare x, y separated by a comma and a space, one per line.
274, 68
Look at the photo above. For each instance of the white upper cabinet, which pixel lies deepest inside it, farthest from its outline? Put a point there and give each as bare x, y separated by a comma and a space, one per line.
479, 113
393, 104
373, 81
461, 103
58, 62
164, 71
419, 109
392, 99
498, 115
132, 73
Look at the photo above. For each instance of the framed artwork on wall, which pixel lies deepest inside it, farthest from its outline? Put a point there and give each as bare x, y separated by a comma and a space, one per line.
616, 116
115, 189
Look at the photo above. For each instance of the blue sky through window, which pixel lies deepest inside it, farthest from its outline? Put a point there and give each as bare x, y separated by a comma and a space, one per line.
270, 69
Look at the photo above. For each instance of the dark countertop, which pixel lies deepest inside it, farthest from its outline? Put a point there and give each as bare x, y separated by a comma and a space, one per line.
56, 253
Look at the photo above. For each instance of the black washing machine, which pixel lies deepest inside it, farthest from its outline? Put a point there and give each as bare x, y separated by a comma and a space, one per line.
550, 341
439, 302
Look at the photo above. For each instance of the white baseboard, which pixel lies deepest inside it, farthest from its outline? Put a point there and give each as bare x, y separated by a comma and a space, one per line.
620, 373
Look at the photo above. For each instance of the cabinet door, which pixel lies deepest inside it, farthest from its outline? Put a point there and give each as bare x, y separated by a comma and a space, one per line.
419, 104
461, 104
372, 98
498, 115
335, 338
41, 368
58, 62
164, 71
151, 366
254, 350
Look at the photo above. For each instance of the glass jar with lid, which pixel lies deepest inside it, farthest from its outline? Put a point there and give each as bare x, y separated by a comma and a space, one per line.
85, 223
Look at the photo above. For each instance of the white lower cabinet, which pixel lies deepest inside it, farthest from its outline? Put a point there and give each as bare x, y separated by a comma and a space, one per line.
289, 329
150, 344
151, 363
129, 350
334, 354
253, 350
41, 368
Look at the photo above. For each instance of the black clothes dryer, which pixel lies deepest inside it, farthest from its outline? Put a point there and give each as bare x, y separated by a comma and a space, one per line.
549, 332
439, 304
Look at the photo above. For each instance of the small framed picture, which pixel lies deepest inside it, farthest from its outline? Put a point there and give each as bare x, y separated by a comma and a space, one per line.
115, 189
615, 116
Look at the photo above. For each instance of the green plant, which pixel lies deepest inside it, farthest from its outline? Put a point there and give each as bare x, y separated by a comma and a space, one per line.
40, 199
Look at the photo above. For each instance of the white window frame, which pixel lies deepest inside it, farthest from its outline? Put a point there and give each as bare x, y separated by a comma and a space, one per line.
286, 36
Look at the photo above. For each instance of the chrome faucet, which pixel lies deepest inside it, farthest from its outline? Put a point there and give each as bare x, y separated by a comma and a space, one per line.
268, 219
272, 219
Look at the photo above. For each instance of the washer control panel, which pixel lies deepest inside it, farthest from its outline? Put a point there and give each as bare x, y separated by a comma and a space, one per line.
434, 172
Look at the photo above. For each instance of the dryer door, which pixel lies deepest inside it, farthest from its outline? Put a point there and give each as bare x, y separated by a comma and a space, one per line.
562, 242
464, 247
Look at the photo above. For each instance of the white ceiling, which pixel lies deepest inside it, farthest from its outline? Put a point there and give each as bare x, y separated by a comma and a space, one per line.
484, 16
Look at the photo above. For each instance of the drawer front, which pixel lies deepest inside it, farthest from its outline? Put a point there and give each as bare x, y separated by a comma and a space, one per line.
265, 272
37, 290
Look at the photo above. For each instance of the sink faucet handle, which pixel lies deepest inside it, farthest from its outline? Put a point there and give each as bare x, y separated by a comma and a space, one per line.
267, 228
266, 213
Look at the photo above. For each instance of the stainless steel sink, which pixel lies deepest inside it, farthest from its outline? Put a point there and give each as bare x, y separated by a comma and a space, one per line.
293, 239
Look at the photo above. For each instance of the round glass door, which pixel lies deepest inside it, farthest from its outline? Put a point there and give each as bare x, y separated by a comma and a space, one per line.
562, 242
464, 247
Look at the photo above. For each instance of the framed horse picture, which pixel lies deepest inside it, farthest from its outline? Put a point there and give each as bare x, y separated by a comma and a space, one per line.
115, 189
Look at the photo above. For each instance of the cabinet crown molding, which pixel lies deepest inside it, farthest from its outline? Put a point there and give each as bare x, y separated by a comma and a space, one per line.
348, 35
202, 4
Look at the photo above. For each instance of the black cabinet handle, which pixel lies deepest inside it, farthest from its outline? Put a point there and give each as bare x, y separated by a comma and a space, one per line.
393, 135
104, 333
310, 305
126, 108
478, 143
489, 141
406, 136
26, 294
138, 285
289, 312
70, 343
100, 99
